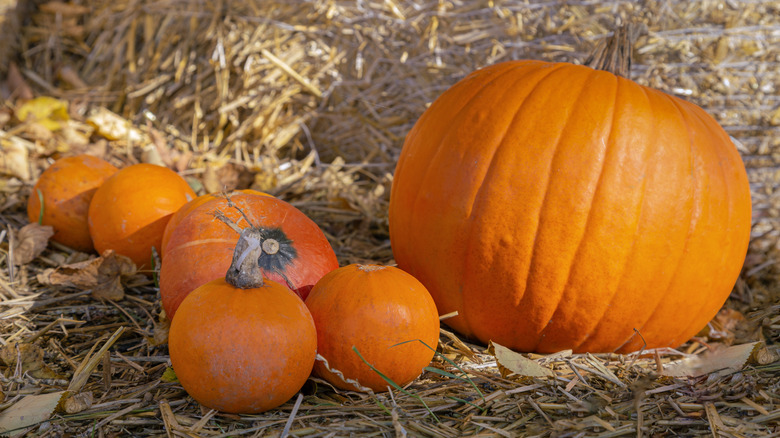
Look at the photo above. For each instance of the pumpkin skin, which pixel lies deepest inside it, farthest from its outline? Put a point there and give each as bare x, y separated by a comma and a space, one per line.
242, 350
185, 209
556, 207
200, 247
130, 210
373, 308
68, 186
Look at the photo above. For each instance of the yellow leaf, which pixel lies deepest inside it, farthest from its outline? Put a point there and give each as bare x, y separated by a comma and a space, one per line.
47, 111
169, 376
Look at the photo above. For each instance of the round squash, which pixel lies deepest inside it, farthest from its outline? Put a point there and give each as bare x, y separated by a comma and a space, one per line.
130, 210
185, 209
242, 349
67, 187
200, 247
555, 206
381, 311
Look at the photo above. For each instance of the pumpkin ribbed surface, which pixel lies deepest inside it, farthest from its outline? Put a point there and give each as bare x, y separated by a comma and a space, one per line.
242, 350
556, 206
200, 248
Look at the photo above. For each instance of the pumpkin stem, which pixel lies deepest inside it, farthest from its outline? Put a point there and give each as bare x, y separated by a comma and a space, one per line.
244, 271
221, 216
613, 53
258, 252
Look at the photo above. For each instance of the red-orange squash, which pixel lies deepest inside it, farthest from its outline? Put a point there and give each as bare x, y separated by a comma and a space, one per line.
200, 247
243, 349
130, 210
382, 311
67, 187
185, 209
555, 206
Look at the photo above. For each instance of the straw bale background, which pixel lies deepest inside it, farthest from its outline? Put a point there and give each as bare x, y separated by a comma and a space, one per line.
310, 101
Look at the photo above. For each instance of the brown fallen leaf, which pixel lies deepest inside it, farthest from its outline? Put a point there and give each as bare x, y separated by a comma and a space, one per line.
78, 402
723, 326
160, 332
102, 274
16, 82
29, 411
210, 180
27, 358
511, 362
721, 360
30, 241
14, 153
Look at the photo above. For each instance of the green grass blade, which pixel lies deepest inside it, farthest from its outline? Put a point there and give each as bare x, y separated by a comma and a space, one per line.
395, 385
451, 362
40, 214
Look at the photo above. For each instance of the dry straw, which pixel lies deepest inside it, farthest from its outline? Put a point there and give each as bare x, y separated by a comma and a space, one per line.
311, 100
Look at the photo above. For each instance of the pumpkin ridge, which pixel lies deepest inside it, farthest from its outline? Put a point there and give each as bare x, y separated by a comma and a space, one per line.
685, 113
479, 194
588, 218
414, 132
545, 199
695, 214
631, 253
440, 149
719, 155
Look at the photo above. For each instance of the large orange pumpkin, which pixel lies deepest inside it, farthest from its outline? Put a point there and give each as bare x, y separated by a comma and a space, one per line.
67, 187
200, 247
130, 210
383, 312
243, 349
555, 206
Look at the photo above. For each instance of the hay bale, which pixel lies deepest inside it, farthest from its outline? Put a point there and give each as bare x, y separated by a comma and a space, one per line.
263, 83
10, 18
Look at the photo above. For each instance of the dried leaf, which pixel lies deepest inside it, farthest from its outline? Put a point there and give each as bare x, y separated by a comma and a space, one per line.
78, 402
511, 362
28, 358
210, 180
45, 110
63, 8
29, 411
169, 376
160, 332
722, 328
719, 360
103, 275
17, 83
30, 242
113, 127
14, 157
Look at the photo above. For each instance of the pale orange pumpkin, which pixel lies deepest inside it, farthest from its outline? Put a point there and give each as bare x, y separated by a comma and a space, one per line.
66, 188
200, 247
555, 206
187, 208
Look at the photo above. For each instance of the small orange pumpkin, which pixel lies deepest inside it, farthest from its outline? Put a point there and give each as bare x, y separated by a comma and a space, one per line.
67, 187
130, 210
242, 344
374, 309
200, 247
188, 207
